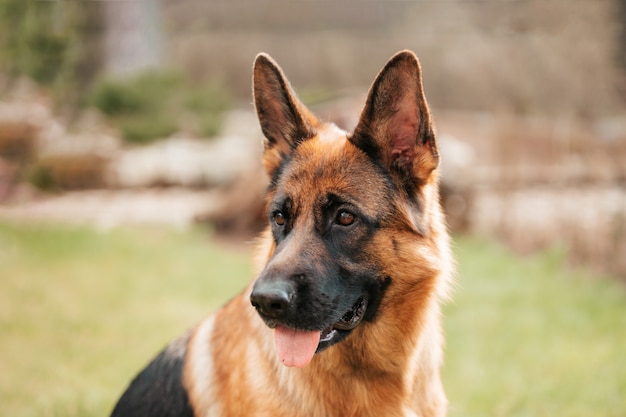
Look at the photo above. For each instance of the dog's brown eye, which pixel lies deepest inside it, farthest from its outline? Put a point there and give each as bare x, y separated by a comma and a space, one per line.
279, 218
345, 218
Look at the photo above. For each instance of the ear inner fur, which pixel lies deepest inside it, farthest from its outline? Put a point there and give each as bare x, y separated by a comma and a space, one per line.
395, 125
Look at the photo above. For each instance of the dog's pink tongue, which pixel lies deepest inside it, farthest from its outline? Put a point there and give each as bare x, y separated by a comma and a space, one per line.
295, 347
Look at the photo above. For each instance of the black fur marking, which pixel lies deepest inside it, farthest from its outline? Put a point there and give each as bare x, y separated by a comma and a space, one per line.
367, 144
394, 243
377, 292
158, 390
278, 172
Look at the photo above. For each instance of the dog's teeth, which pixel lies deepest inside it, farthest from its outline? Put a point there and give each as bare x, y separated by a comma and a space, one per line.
327, 334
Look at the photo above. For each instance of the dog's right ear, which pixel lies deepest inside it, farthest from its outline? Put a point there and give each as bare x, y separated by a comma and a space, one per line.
284, 120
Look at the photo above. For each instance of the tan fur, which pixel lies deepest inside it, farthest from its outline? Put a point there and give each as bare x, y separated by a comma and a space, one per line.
386, 367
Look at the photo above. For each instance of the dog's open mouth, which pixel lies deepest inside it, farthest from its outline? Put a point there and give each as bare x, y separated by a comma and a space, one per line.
297, 347
348, 322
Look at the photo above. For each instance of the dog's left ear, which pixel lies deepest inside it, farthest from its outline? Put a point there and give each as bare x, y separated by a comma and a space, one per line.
395, 126
285, 121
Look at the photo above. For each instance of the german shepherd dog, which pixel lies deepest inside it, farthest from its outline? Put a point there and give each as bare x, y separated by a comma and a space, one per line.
343, 318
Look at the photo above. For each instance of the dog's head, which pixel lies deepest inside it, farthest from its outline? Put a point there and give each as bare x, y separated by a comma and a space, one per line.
339, 205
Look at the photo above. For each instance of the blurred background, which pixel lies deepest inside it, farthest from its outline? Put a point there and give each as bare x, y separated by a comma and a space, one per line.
129, 150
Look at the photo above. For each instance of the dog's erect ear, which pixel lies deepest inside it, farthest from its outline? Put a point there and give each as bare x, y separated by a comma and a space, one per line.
395, 125
284, 120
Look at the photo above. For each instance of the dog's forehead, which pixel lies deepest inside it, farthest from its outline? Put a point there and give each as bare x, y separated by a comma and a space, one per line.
331, 134
330, 164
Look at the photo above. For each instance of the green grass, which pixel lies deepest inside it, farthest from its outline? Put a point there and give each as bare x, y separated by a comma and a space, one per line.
533, 338
81, 311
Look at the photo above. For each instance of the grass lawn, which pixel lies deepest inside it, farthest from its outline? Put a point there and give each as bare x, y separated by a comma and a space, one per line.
530, 337
81, 311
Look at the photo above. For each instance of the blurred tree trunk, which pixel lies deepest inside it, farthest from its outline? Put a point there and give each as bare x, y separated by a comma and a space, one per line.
622, 22
133, 40
621, 45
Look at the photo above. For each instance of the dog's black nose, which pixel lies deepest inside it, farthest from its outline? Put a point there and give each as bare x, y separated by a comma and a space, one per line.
274, 299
